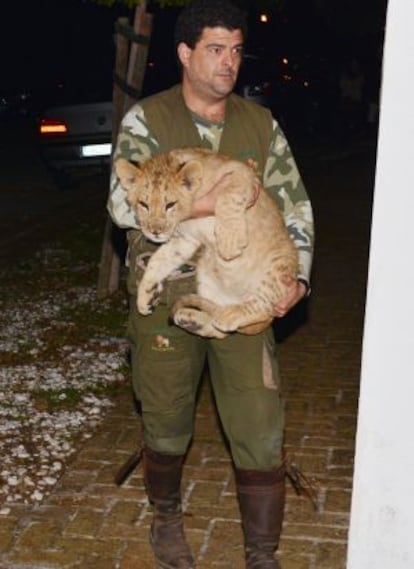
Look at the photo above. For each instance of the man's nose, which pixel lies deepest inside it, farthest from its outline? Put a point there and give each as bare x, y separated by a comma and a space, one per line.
229, 57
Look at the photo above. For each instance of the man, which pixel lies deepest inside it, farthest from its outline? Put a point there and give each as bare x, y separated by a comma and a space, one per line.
167, 362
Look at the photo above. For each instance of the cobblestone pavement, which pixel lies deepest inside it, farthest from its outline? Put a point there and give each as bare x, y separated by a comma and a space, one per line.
90, 523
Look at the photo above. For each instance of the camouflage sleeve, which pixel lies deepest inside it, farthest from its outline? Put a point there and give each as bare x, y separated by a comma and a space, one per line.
282, 179
134, 143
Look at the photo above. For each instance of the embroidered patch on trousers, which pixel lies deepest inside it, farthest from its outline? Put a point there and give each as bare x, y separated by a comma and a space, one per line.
161, 343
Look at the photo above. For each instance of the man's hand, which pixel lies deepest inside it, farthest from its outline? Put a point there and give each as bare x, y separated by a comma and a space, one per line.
296, 291
206, 205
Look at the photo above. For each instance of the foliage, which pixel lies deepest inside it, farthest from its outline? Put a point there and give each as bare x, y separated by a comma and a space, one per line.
132, 3
265, 4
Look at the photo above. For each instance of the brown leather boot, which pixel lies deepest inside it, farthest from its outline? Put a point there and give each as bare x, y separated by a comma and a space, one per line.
261, 496
162, 477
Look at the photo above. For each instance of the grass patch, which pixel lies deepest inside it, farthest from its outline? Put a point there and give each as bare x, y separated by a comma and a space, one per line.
49, 308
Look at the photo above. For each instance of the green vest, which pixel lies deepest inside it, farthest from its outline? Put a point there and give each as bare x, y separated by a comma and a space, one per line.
247, 134
247, 131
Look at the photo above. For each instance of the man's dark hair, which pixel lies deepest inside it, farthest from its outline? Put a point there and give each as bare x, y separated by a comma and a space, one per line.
200, 14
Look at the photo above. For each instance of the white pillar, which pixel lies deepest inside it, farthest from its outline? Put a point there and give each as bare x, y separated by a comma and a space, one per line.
381, 532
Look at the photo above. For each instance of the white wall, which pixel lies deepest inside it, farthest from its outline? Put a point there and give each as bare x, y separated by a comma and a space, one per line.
382, 516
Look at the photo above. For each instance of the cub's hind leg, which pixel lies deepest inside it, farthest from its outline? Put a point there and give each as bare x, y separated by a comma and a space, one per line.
195, 314
256, 313
247, 318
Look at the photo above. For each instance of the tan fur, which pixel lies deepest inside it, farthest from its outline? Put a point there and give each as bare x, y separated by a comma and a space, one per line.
247, 258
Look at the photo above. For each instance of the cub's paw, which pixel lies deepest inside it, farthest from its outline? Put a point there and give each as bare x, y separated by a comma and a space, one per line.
227, 319
196, 322
148, 298
231, 238
188, 318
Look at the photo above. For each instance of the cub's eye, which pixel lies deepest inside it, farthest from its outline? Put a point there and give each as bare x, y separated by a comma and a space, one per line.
170, 205
143, 205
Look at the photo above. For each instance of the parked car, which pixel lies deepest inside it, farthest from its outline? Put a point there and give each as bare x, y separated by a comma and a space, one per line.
74, 127
77, 133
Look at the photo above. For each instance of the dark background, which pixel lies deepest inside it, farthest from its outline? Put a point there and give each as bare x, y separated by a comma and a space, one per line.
69, 43
52, 46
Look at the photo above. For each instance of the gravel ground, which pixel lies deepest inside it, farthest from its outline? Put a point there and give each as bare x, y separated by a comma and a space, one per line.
63, 356
57, 376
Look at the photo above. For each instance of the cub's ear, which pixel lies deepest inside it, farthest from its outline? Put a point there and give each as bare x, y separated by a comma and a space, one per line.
127, 173
191, 175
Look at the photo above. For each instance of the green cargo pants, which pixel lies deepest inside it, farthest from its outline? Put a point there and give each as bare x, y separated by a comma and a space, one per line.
167, 365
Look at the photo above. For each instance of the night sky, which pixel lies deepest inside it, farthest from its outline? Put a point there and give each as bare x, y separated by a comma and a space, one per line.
48, 41
55, 40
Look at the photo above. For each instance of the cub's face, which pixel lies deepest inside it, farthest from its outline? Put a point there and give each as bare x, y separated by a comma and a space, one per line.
161, 192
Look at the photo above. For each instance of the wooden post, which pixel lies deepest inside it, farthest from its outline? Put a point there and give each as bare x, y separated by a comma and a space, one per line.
139, 52
130, 64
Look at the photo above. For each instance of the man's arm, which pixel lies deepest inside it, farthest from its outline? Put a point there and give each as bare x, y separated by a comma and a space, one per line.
205, 205
283, 181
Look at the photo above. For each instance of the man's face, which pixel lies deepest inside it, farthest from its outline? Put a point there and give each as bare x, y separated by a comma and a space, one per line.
211, 68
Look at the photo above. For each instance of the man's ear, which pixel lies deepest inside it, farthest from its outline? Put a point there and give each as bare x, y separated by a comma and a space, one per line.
191, 174
183, 53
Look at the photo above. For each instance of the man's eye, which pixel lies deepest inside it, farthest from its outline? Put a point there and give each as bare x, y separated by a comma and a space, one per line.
143, 205
170, 205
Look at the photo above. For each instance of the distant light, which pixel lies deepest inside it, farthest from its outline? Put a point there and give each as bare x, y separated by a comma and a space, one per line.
90, 150
48, 126
264, 18
285, 60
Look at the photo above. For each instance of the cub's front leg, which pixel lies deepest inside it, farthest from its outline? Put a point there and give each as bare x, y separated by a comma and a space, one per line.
162, 263
239, 186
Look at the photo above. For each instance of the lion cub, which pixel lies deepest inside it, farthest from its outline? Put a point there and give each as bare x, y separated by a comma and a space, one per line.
247, 259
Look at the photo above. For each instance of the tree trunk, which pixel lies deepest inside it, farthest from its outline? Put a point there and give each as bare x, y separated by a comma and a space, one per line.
130, 64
